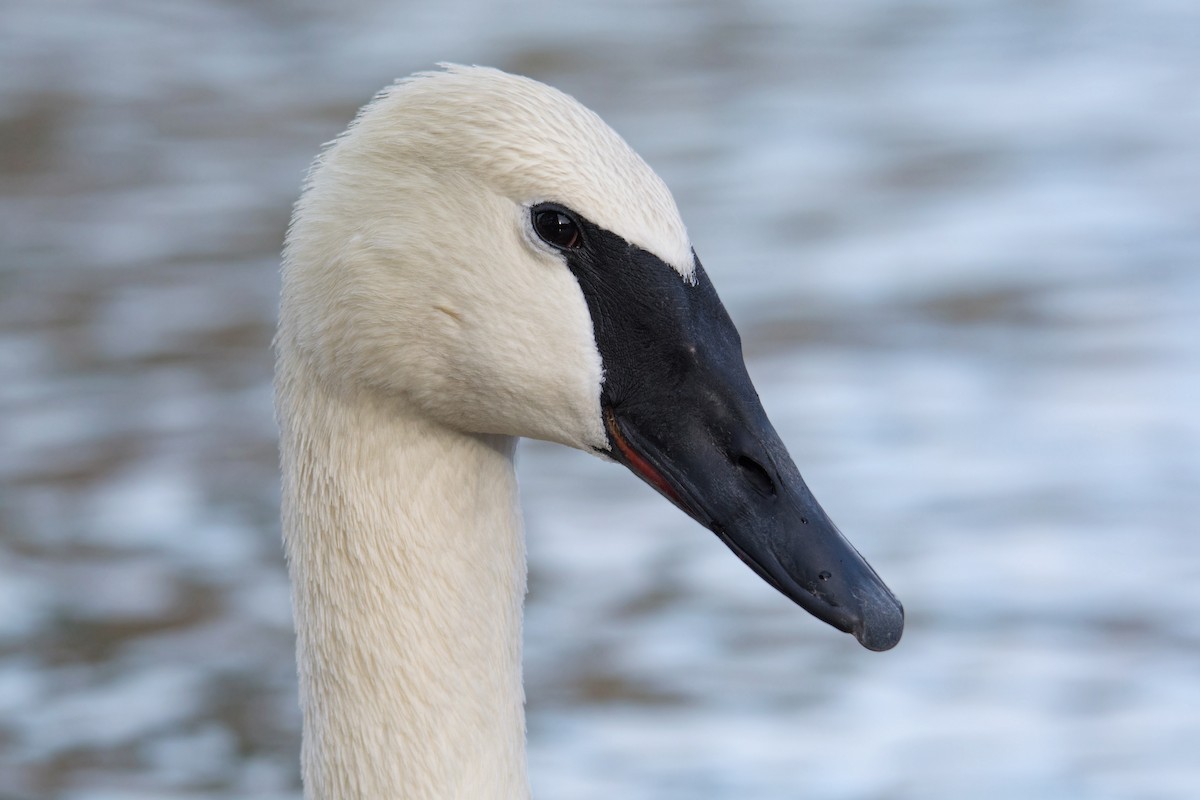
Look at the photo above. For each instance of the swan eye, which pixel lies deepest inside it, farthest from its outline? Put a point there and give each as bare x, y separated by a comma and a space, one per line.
556, 228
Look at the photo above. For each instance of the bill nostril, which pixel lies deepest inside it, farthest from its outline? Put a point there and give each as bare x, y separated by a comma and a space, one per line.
756, 474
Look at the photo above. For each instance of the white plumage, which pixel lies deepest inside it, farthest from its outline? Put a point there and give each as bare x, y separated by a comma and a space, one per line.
422, 327
480, 258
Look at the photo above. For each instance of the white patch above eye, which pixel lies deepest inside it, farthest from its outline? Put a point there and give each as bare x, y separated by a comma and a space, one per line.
686, 268
651, 223
530, 142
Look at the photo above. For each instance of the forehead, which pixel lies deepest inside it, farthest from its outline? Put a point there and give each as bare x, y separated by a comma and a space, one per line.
534, 143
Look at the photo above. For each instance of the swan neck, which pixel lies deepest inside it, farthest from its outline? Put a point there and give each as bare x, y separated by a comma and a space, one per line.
407, 561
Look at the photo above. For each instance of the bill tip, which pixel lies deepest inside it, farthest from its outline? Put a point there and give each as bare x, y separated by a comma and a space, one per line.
882, 624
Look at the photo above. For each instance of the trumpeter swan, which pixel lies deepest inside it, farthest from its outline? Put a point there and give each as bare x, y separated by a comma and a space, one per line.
479, 258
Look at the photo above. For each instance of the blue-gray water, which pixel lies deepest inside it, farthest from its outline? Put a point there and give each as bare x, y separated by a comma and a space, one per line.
962, 242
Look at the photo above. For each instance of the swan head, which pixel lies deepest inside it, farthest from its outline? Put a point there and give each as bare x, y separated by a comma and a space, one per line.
483, 248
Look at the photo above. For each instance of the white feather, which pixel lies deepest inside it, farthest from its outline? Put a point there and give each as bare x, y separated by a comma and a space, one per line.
422, 328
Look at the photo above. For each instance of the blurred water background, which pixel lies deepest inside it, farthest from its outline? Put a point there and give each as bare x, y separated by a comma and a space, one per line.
961, 240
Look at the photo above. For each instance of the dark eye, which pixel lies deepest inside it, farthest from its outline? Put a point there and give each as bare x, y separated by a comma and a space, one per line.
556, 228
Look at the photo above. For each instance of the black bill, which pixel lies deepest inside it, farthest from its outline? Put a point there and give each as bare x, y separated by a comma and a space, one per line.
682, 414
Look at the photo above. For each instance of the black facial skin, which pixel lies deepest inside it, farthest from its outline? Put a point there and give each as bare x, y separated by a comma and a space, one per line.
682, 414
